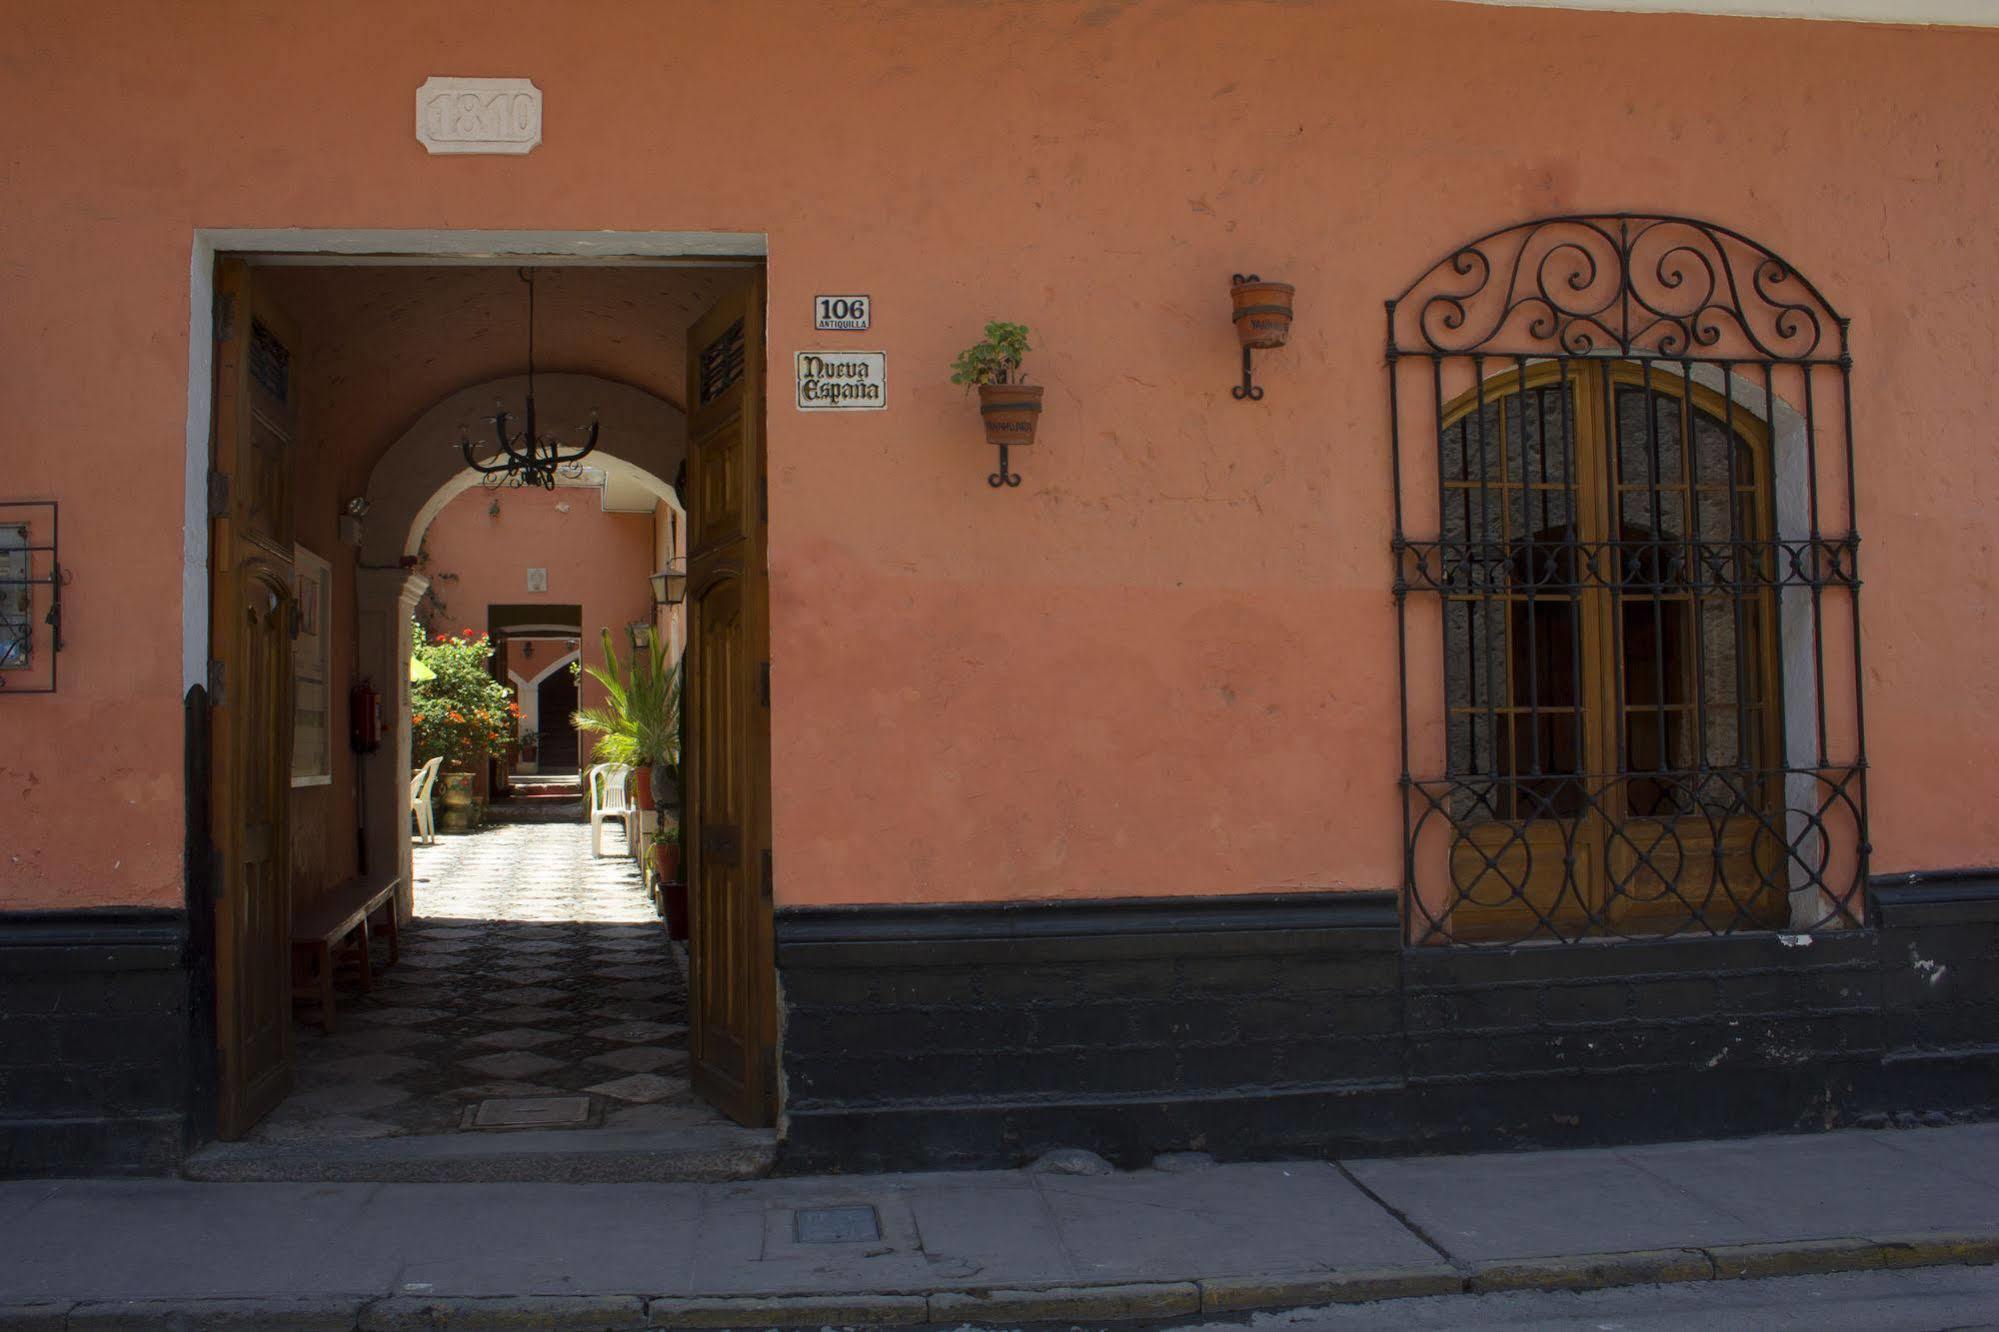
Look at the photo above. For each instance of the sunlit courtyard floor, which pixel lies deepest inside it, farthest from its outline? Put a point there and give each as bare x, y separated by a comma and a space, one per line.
532, 969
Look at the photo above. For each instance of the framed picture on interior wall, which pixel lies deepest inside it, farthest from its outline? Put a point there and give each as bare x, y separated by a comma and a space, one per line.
312, 693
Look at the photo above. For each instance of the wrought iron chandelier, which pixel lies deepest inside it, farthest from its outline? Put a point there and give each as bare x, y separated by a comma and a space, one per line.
529, 458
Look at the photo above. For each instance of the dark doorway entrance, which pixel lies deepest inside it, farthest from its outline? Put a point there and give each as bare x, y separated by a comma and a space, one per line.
555, 703
534, 932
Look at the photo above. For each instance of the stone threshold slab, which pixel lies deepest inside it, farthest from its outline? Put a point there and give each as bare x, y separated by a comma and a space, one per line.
521, 1156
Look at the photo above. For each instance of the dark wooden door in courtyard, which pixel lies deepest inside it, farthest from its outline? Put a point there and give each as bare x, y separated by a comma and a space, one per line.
251, 628
555, 704
726, 750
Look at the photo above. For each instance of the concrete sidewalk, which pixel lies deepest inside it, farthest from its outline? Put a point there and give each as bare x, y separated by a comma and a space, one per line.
1001, 1247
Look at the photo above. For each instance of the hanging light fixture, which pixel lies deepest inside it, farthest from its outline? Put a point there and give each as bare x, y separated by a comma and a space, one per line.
529, 458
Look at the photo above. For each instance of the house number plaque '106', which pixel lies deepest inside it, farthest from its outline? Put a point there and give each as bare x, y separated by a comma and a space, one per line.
478, 115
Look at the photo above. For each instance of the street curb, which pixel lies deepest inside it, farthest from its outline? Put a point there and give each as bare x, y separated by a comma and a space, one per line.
1743, 1262
1360, 1286
34, 1316
304, 1313
552, 1313
787, 1310
1940, 1249
1067, 1303
1591, 1271
1102, 1303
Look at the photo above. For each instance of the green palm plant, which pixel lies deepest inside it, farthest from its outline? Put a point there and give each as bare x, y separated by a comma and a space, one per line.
639, 723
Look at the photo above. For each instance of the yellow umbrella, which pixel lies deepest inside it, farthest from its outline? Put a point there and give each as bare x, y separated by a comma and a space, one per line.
419, 671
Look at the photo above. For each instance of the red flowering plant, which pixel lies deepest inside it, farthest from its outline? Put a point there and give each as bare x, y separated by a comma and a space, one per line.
460, 713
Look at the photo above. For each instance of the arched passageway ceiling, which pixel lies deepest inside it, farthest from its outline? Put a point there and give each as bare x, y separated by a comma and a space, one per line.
643, 443
382, 344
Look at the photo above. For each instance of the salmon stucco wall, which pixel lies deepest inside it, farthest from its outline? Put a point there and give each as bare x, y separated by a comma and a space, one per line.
593, 559
1165, 664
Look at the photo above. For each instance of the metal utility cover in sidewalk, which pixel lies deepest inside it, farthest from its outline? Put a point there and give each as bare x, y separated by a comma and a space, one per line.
835, 1225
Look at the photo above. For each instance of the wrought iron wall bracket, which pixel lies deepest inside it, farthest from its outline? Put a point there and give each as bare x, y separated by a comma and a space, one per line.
1249, 390
1003, 477
1262, 316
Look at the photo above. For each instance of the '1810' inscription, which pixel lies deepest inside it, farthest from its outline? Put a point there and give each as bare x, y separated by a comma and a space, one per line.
478, 115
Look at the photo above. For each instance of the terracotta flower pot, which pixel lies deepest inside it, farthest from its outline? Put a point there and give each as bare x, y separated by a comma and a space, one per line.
1262, 313
459, 799
1012, 412
642, 787
675, 897
666, 861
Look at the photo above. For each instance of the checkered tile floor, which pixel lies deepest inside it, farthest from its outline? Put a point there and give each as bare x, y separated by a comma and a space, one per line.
532, 969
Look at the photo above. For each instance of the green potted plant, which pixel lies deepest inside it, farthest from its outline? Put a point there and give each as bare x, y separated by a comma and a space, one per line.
1011, 409
459, 713
639, 723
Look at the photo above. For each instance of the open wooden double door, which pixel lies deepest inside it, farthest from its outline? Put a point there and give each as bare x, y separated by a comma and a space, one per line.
725, 742
726, 748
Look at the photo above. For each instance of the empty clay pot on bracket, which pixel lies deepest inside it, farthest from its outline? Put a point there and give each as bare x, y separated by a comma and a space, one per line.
1262, 312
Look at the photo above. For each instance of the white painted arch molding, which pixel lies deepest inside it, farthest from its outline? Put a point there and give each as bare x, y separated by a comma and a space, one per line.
644, 440
1956, 13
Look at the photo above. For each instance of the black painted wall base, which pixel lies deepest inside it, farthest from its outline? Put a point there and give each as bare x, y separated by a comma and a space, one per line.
94, 1041
1297, 1024
1247, 1027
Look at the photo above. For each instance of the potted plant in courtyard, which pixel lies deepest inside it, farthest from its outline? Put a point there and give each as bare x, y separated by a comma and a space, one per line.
460, 714
1011, 409
666, 868
639, 722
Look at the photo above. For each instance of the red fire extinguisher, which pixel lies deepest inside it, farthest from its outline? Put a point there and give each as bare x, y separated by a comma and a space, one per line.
364, 718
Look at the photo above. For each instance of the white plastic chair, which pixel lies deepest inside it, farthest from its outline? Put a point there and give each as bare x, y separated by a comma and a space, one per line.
421, 782
608, 800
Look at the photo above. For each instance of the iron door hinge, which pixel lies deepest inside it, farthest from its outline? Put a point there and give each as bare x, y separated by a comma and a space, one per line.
763, 683
769, 883
218, 682
218, 493
720, 841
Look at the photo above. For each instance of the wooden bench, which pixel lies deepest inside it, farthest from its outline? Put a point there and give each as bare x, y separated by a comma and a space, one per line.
339, 921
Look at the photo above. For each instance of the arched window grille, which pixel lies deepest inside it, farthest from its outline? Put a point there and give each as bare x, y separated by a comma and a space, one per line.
1627, 588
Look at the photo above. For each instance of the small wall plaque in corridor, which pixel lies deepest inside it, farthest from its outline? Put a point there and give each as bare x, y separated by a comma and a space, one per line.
841, 314
831, 381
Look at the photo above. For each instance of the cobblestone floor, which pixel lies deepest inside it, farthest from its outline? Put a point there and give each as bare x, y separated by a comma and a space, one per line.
532, 969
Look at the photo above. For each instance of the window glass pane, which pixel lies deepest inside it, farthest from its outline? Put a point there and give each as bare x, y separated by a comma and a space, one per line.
1648, 438
17, 598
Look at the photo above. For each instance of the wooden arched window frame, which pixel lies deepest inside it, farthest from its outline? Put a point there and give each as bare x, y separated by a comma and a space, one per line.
1613, 689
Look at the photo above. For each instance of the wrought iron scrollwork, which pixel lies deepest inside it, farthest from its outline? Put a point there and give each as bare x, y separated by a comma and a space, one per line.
1618, 284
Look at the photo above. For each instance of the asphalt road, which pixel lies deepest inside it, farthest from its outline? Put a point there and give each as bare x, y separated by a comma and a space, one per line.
1924, 1300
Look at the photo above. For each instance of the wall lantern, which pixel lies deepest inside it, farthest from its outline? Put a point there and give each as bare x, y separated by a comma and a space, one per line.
1262, 323
669, 585
640, 633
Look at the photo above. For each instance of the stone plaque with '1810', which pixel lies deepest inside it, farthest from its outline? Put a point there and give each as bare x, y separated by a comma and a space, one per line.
478, 115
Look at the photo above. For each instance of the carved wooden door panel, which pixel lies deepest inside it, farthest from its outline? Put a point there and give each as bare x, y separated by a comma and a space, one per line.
253, 619
733, 999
